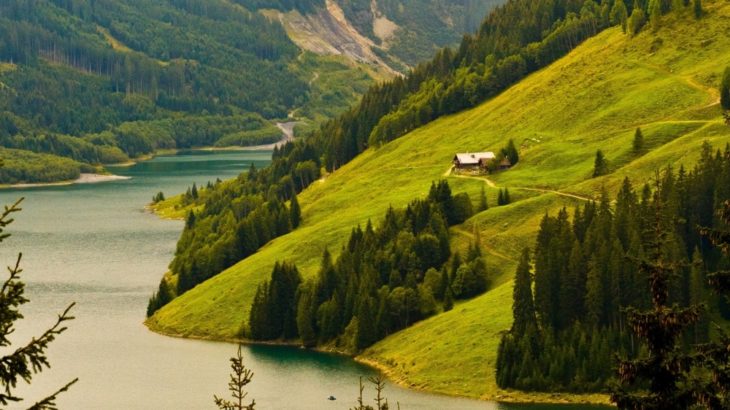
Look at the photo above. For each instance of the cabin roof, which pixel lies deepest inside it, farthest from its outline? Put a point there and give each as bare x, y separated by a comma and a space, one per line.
472, 158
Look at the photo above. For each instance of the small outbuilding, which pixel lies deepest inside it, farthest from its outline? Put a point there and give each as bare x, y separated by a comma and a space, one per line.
471, 160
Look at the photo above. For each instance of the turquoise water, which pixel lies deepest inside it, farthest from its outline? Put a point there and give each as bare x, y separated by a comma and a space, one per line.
96, 245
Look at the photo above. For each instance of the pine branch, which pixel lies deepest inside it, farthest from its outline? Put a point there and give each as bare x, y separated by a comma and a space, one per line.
49, 403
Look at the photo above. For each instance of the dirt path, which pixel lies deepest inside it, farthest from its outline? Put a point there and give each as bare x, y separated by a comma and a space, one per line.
689, 80
491, 184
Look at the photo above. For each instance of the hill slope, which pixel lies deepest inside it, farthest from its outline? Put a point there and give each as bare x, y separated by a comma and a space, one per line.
592, 99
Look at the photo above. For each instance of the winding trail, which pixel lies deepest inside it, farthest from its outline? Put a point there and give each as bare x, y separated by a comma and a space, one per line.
491, 184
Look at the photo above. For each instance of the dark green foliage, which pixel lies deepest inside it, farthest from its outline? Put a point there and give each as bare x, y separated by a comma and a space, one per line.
295, 212
619, 14
636, 21
697, 7
523, 308
503, 197
600, 165
483, 206
28, 167
240, 378
510, 152
638, 143
384, 279
725, 89
158, 197
655, 13
24, 361
715, 357
659, 378
274, 310
160, 298
589, 271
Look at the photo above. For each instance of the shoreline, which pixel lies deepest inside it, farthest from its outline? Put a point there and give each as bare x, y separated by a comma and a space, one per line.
83, 178
514, 397
287, 129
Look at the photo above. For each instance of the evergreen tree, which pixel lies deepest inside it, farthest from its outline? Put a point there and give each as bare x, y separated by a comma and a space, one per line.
240, 378
483, 206
510, 151
698, 10
366, 331
194, 191
305, 318
506, 197
523, 307
23, 362
295, 213
661, 378
638, 145
500, 198
637, 20
725, 89
448, 299
619, 15
600, 165
655, 14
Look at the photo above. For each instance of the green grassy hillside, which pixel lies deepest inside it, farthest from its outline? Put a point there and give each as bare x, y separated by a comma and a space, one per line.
592, 99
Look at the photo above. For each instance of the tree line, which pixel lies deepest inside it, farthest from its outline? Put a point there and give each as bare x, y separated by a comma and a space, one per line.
571, 293
383, 280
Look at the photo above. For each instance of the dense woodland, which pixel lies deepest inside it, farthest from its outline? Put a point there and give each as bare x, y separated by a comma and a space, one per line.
570, 303
104, 80
383, 280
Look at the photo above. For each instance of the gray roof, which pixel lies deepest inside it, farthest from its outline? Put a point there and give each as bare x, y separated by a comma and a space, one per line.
472, 158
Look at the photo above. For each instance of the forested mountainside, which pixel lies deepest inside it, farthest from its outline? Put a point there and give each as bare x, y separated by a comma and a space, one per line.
662, 74
516, 38
103, 81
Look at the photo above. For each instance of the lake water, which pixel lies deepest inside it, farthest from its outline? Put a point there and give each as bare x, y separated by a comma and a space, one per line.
96, 245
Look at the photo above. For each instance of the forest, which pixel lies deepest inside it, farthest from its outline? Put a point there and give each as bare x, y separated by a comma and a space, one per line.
102, 81
572, 291
383, 280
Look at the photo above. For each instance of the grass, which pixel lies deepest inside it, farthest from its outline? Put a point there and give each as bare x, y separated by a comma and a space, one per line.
592, 99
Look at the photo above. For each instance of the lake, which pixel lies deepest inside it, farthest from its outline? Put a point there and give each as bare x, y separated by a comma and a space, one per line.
96, 245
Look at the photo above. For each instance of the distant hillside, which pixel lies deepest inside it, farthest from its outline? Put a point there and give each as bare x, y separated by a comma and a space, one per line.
106, 80
664, 81
395, 34
103, 81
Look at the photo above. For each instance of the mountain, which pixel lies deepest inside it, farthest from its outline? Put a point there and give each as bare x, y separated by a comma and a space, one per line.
663, 79
103, 81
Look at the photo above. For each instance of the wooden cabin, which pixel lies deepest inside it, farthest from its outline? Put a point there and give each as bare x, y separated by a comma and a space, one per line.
472, 160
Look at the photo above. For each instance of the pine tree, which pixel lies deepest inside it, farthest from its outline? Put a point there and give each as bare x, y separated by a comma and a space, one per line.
619, 15
655, 14
698, 10
23, 362
483, 206
660, 379
506, 197
305, 317
500, 198
725, 90
240, 378
523, 307
448, 299
637, 20
600, 165
194, 191
295, 212
638, 144
511, 153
